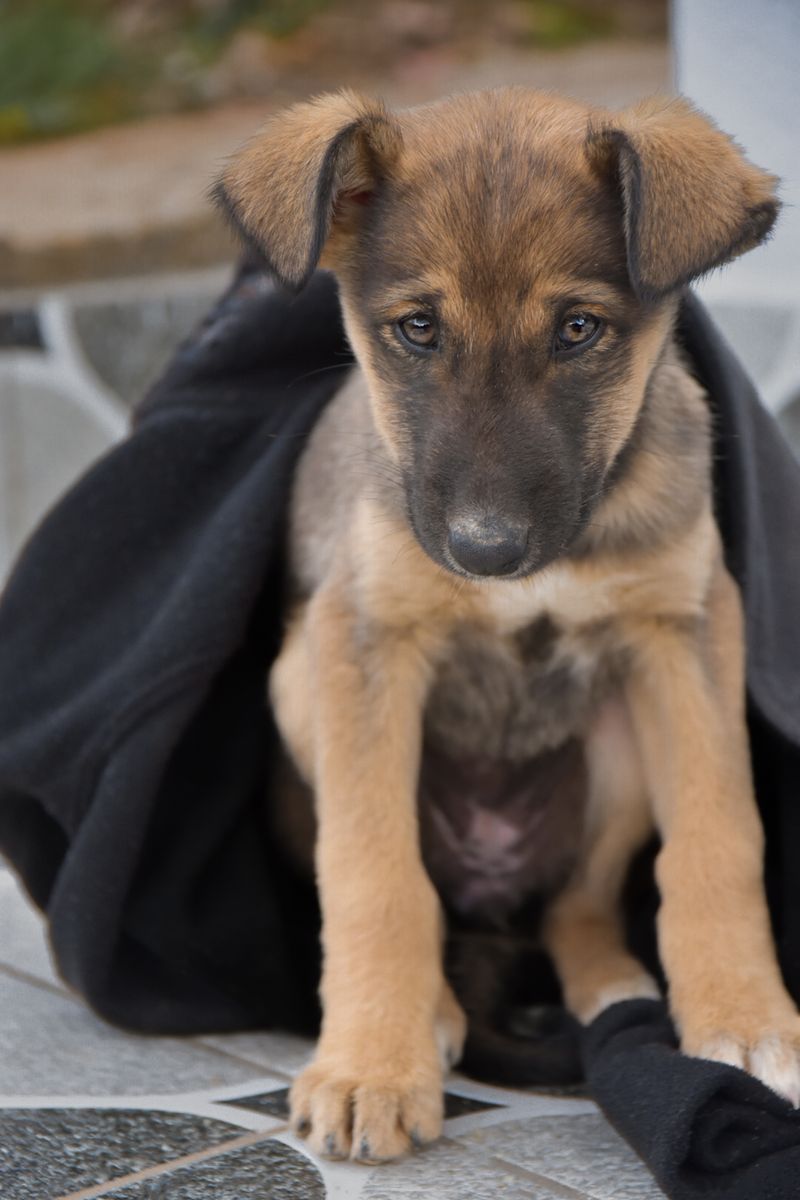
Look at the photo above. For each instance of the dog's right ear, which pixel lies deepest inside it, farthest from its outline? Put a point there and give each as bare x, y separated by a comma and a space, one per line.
691, 200
309, 169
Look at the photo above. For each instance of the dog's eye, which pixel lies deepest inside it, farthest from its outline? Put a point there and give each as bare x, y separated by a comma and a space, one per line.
577, 329
420, 330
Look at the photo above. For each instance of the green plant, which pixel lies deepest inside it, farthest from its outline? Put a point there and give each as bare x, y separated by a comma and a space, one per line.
61, 68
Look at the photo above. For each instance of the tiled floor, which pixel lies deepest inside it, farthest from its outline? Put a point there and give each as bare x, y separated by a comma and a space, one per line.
87, 1110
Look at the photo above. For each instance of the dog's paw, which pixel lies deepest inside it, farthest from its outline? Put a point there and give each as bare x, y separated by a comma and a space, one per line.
369, 1116
771, 1053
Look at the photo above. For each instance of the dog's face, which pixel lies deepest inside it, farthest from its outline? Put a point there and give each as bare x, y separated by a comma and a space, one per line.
508, 264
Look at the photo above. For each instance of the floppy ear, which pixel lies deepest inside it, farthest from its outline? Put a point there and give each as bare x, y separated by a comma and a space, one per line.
691, 200
310, 166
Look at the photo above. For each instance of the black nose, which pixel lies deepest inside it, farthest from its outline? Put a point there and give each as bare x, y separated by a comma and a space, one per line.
487, 545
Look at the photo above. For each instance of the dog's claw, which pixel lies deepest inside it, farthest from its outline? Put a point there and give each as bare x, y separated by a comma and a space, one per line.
417, 1140
332, 1147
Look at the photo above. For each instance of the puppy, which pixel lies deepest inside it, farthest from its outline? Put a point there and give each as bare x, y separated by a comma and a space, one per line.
512, 635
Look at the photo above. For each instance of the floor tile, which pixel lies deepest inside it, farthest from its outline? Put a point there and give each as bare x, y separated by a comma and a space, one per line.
23, 943
20, 329
276, 1104
282, 1052
52, 1152
52, 1045
46, 441
446, 1171
459, 1106
581, 1151
267, 1171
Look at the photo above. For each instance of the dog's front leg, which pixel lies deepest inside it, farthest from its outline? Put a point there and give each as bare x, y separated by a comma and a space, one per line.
375, 1085
727, 996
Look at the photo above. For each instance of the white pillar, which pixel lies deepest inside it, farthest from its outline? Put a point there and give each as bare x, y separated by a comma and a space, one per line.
739, 60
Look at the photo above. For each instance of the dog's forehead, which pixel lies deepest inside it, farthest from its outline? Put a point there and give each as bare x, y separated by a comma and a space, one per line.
497, 190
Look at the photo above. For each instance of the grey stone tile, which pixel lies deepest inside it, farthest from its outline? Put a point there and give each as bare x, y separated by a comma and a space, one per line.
45, 443
274, 1104
283, 1052
130, 342
23, 942
20, 328
267, 1171
446, 1171
52, 1045
456, 1105
52, 1152
583, 1152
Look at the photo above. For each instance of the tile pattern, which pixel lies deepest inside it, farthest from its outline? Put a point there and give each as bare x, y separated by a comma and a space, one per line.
449, 1172
51, 1044
20, 328
269, 1170
276, 1104
88, 1111
53, 1152
584, 1153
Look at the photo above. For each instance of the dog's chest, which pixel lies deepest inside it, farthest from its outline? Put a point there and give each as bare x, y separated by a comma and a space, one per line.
503, 780
511, 696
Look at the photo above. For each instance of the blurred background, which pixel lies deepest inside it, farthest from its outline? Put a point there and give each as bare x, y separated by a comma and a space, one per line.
116, 114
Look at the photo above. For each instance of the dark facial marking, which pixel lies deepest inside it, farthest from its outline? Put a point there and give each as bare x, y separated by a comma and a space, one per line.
504, 394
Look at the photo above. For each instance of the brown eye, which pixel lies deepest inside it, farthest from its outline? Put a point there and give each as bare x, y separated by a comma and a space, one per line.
577, 329
420, 330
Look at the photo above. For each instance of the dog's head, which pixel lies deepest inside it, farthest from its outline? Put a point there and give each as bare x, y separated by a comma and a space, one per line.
508, 266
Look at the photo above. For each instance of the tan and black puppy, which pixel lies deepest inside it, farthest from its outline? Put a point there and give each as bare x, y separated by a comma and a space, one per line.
513, 646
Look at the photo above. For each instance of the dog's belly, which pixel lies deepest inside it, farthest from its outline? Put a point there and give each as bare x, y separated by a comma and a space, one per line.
503, 780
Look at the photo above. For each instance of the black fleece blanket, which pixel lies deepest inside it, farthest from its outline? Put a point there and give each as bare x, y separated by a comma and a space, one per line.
135, 636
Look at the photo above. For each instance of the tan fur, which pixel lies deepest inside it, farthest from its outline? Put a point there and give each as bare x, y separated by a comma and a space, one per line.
686, 167
583, 929
525, 199
287, 157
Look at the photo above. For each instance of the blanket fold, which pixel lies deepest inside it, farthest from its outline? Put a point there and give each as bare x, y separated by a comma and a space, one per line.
705, 1130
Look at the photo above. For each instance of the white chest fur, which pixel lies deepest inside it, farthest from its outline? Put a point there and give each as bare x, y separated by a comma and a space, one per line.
569, 597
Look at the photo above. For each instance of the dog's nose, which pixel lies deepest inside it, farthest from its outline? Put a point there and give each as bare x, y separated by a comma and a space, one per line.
487, 545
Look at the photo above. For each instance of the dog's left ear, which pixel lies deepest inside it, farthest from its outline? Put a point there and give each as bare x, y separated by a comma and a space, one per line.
308, 170
691, 200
